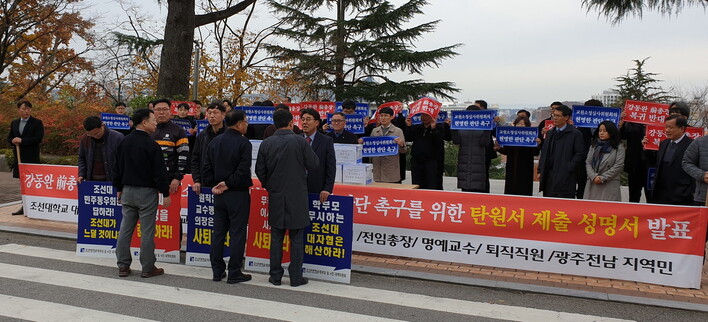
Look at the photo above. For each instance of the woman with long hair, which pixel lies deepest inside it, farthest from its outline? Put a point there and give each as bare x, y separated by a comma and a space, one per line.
519, 165
604, 164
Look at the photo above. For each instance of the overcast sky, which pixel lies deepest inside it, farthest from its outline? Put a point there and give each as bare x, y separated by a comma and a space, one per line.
520, 53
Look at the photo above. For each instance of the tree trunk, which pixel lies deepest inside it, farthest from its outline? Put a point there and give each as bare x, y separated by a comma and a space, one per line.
176, 57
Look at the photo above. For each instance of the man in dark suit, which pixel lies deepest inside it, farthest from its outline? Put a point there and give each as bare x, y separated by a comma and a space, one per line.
321, 179
673, 186
562, 151
26, 134
339, 134
282, 165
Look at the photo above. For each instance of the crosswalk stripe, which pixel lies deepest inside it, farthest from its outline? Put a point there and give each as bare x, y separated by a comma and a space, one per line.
36, 310
182, 296
471, 308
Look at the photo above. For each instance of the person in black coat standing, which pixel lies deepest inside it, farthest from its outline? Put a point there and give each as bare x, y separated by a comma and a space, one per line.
519, 165
562, 151
215, 115
339, 134
428, 151
673, 186
26, 134
321, 179
227, 167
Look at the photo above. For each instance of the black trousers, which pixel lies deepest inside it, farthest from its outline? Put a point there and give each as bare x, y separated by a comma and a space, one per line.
427, 174
637, 180
297, 252
231, 210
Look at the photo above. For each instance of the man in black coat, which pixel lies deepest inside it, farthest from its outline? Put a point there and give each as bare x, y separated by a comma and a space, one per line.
428, 151
321, 179
227, 167
26, 134
673, 186
215, 116
339, 134
562, 151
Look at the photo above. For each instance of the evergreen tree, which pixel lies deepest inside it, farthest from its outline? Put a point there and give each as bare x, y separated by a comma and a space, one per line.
616, 10
640, 85
349, 56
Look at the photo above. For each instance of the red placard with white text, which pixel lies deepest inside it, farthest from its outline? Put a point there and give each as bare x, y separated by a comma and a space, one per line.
192, 107
258, 240
295, 111
49, 191
395, 106
322, 107
657, 133
425, 105
645, 112
548, 125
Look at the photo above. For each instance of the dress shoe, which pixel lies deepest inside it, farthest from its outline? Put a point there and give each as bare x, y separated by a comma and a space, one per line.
20, 211
274, 281
239, 279
154, 272
218, 277
123, 271
302, 281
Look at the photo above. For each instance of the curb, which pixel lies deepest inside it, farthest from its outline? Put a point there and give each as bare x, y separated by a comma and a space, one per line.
453, 279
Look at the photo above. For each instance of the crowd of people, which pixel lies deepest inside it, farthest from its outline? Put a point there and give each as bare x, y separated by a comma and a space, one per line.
152, 157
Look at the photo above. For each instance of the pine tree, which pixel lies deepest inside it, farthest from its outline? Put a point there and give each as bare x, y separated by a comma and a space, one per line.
640, 85
616, 10
349, 56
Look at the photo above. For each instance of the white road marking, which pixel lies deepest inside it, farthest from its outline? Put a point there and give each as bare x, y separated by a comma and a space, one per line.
480, 309
35, 310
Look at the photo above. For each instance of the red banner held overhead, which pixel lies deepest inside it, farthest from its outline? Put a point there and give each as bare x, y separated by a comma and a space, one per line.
425, 105
192, 107
645, 112
322, 107
395, 106
657, 133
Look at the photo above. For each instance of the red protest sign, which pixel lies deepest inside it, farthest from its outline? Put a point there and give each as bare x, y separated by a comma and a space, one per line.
657, 133
425, 105
192, 107
645, 112
548, 125
395, 106
322, 107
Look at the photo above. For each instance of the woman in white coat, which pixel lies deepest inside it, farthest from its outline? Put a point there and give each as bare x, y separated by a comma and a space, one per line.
604, 164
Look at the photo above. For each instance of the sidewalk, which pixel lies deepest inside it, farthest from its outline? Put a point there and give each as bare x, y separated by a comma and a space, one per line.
529, 281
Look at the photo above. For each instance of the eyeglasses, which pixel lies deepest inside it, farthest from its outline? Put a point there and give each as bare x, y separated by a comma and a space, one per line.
162, 109
307, 119
337, 121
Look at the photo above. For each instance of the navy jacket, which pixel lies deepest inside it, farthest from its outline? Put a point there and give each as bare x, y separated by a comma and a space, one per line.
111, 140
322, 178
228, 159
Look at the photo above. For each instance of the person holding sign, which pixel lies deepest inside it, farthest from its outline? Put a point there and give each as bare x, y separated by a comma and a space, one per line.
183, 114
428, 151
472, 170
227, 167
339, 134
519, 164
673, 186
562, 151
25, 136
215, 115
271, 128
122, 109
604, 164
386, 169
97, 148
139, 173
283, 162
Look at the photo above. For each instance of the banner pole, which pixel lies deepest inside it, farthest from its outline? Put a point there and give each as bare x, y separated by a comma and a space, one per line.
19, 159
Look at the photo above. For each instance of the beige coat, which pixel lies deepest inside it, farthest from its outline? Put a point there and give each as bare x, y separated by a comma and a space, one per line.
387, 169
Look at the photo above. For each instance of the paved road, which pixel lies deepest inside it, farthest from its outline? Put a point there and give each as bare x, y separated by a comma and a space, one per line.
47, 281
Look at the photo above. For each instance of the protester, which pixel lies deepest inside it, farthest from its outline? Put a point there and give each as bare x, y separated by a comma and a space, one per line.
173, 140
637, 161
673, 186
215, 115
320, 180
97, 150
122, 109
227, 167
25, 136
284, 160
183, 114
542, 123
490, 152
580, 174
201, 109
227, 105
604, 164
472, 171
695, 164
561, 153
139, 173
386, 168
519, 164
271, 128
338, 133
428, 151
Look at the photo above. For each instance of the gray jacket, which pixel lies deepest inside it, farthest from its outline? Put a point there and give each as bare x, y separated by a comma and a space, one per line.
609, 171
695, 163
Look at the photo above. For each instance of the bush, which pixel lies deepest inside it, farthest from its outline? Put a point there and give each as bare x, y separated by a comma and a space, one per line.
61, 160
9, 157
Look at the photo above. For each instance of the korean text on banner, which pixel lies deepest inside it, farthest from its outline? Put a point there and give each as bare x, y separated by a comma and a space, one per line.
258, 240
646, 243
192, 107
361, 108
442, 116
657, 133
328, 240
425, 105
167, 232
322, 107
202, 125
355, 123
258, 114
396, 106
548, 125
592, 116
517, 136
49, 191
379, 146
184, 124
116, 121
200, 225
100, 214
295, 111
473, 120
645, 112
